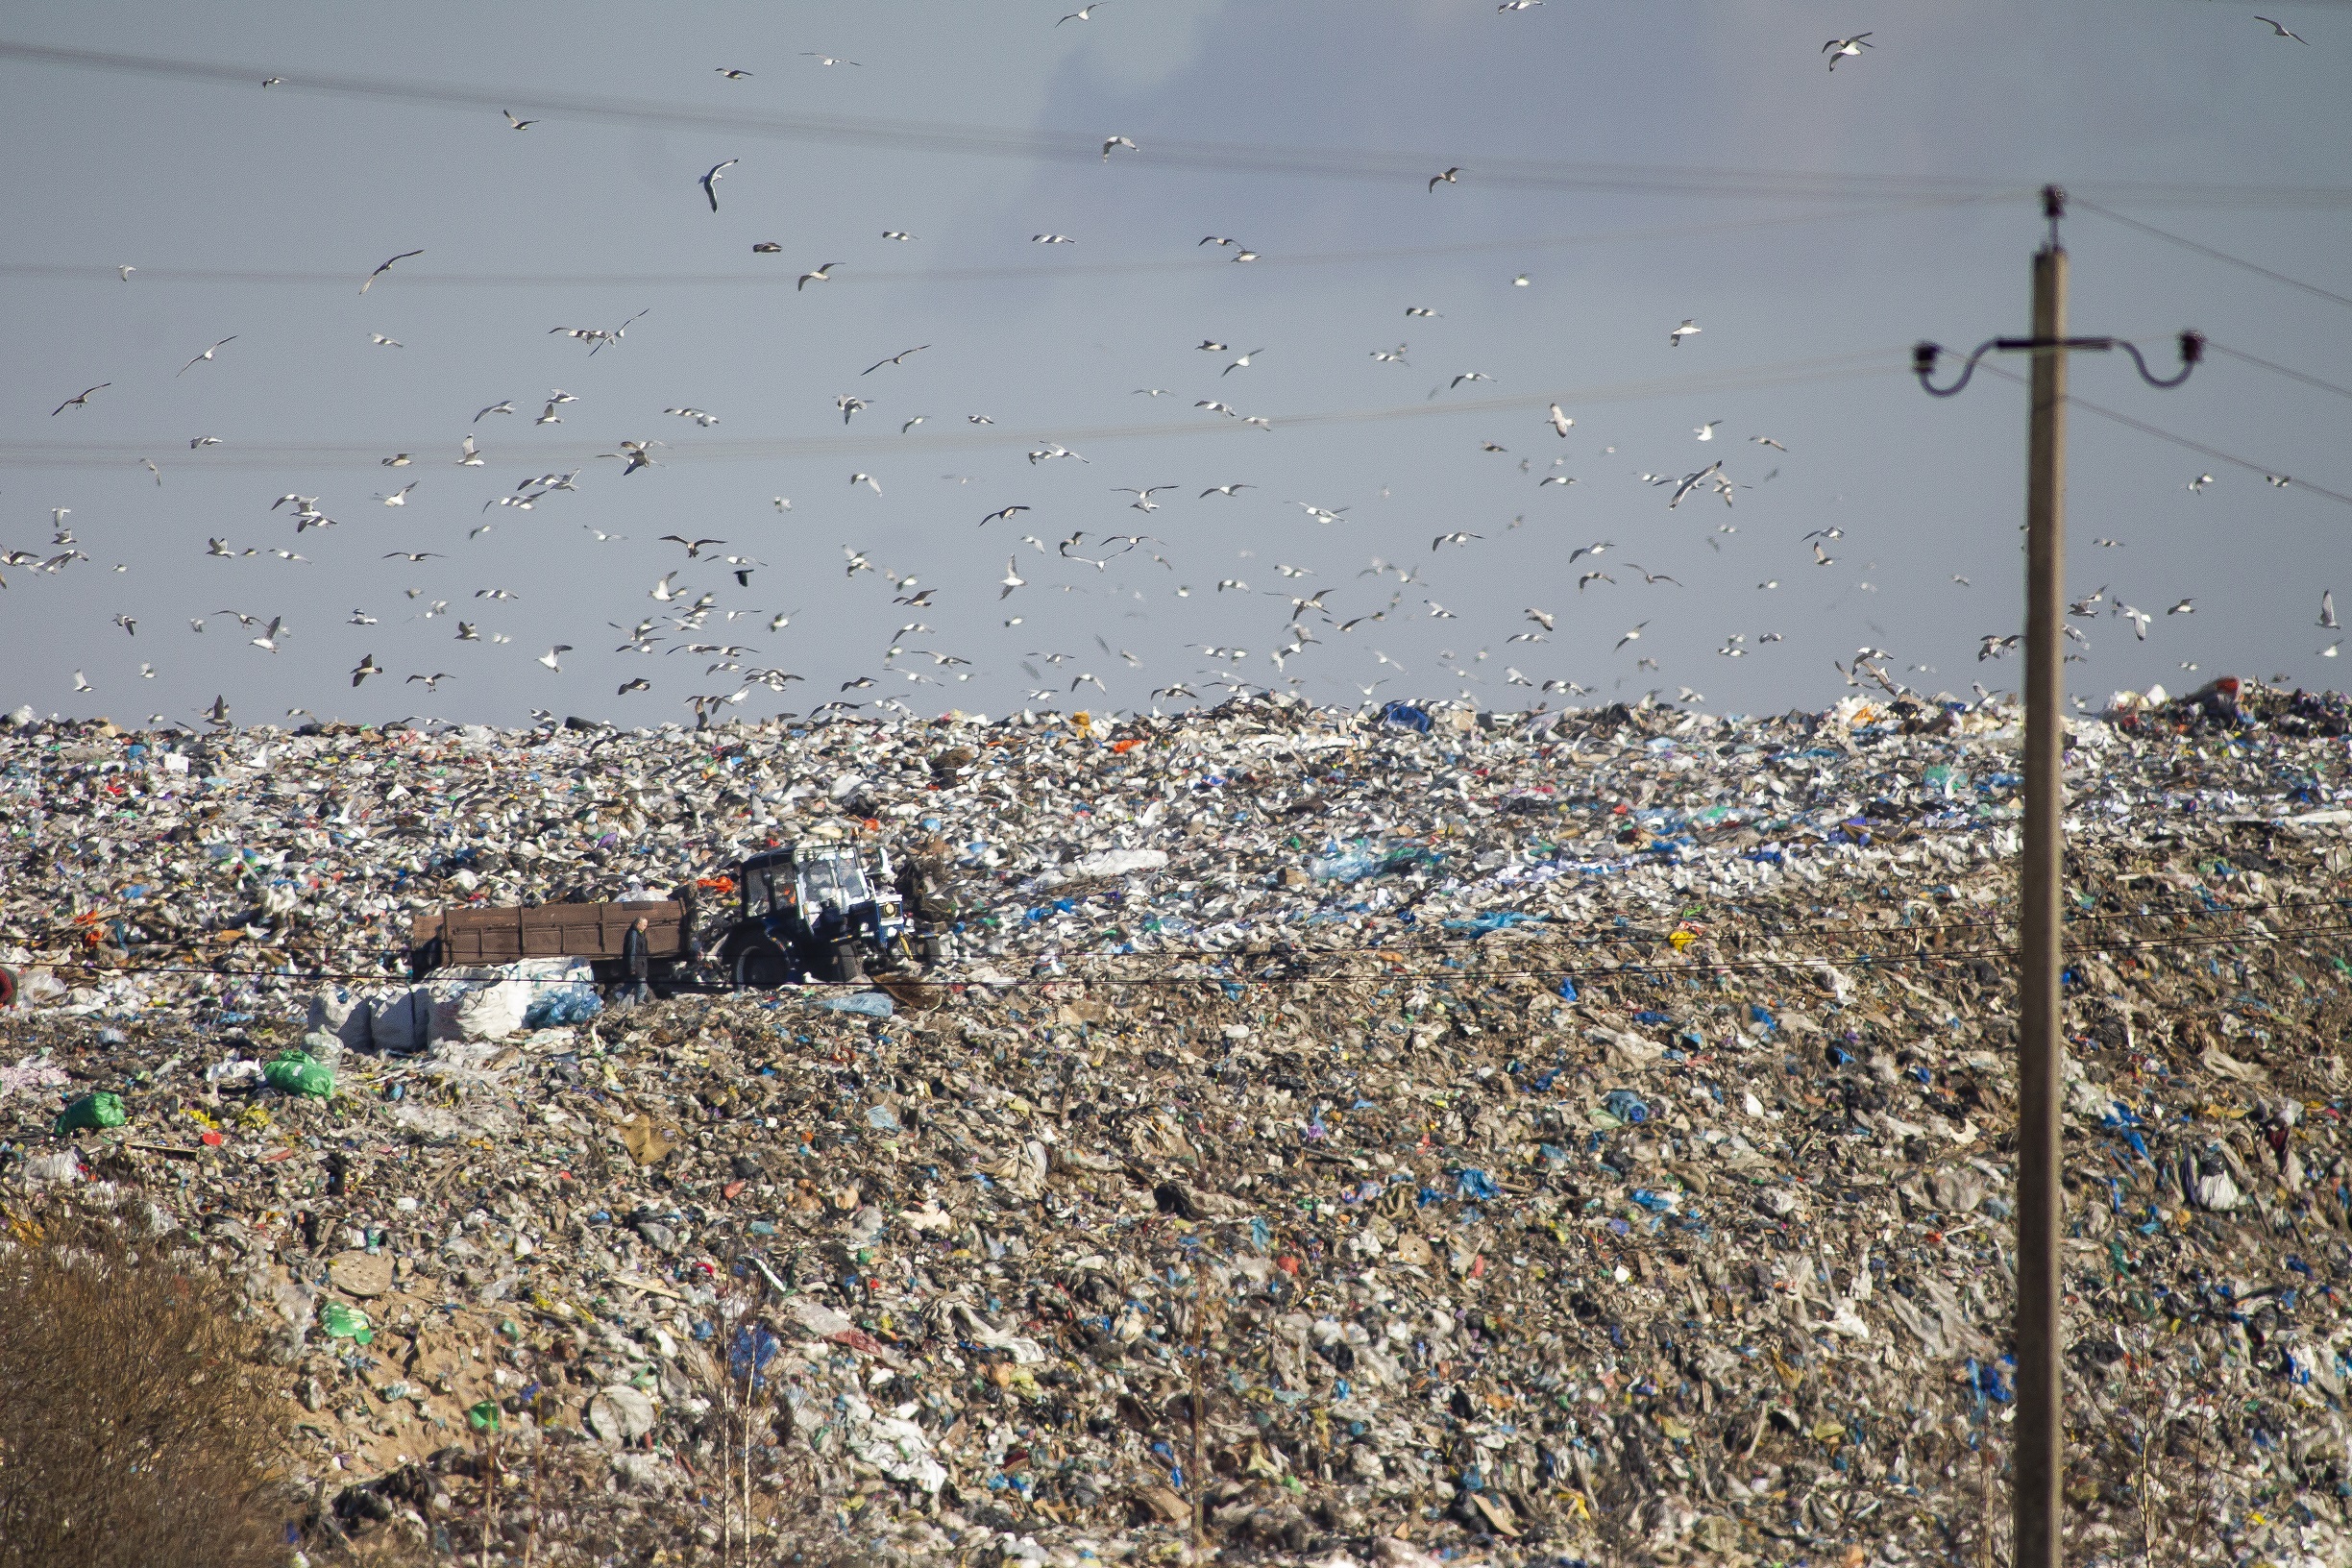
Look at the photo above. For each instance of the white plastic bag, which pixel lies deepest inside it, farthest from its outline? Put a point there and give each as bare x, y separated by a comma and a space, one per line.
399, 1020
344, 1014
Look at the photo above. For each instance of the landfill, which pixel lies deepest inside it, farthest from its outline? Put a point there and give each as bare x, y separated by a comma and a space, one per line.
1391, 1136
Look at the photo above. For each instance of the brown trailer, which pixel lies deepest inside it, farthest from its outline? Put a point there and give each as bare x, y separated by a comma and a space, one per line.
502, 934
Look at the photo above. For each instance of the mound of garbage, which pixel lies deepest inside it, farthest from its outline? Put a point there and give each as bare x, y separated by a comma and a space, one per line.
1389, 1135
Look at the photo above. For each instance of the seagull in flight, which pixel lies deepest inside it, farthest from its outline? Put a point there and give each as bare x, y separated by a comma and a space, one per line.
2277, 31
1084, 13
898, 358
1690, 481
828, 59
1450, 176
367, 667
1561, 422
710, 181
1110, 142
731, 73
200, 358
638, 454
823, 274
515, 124
80, 399
1838, 49
2327, 610
370, 283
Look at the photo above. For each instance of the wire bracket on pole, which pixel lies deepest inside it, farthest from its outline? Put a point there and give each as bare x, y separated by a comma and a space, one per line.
1925, 354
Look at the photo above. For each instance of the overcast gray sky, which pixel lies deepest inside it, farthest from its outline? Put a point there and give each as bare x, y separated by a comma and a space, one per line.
1637, 165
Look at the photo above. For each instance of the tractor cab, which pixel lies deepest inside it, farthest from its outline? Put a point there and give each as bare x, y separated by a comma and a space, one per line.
812, 911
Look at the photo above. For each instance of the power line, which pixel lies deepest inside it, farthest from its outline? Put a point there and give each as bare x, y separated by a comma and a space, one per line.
2277, 477
1039, 272
2219, 256
1784, 373
2291, 375
932, 137
1856, 957
989, 142
1994, 924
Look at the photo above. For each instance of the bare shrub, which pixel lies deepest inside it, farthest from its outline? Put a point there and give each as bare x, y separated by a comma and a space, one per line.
138, 1425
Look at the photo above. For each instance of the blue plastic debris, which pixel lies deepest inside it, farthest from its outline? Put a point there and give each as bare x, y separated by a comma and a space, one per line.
1407, 717
556, 1006
750, 1353
1626, 1107
871, 1004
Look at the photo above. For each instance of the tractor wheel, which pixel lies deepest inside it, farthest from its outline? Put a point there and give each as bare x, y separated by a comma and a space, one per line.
762, 968
848, 963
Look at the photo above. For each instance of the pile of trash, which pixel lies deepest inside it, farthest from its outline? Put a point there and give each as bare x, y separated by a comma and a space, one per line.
1381, 1136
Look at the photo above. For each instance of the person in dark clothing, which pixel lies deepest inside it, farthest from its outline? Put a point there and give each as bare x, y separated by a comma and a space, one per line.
637, 964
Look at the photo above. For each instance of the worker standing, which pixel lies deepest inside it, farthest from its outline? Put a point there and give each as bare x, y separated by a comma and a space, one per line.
636, 964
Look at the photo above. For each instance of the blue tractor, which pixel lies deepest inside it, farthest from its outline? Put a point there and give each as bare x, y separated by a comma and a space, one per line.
813, 912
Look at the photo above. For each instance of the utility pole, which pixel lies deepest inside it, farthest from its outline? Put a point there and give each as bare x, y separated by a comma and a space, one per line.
2037, 1452
2038, 1456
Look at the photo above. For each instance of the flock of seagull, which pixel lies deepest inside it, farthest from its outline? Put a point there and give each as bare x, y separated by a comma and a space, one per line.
694, 619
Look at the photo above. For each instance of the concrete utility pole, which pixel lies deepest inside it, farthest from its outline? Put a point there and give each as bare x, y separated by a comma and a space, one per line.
2038, 1457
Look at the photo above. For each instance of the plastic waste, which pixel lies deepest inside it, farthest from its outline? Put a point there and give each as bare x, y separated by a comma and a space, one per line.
299, 1072
1626, 1107
868, 1004
342, 1322
1601, 1116
91, 1112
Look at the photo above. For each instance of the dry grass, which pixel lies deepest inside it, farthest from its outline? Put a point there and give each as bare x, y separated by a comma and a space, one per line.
137, 1429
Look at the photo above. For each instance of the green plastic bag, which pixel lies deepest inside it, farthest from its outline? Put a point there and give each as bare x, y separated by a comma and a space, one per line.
92, 1112
299, 1072
343, 1322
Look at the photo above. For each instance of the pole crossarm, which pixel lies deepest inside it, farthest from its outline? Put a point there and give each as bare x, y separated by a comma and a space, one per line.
1925, 354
